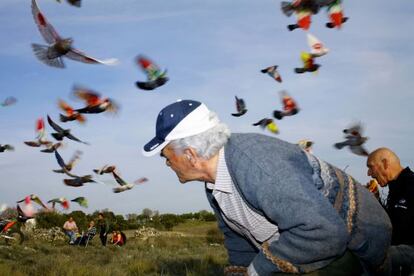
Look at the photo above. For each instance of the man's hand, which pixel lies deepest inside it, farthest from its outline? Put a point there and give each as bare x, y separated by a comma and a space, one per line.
234, 270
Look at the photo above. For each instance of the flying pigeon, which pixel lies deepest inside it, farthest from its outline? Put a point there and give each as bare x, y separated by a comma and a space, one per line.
336, 15
306, 145
308, 64
303, 10
51, 148
70, 114
94, 102
269, 124
241, 107
81, 201
61, 133
318, 49
41, 135
123, 186
104, 169
76, 3
66, 168
62, 201
9, 101
272, 72
58, 47
6, 147
141, 180
155, 77
354, 140
34, 198
289, 107
78, 181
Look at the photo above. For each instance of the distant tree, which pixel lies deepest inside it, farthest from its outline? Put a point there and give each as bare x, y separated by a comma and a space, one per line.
147, 212
170, 220
207, 216
47, 219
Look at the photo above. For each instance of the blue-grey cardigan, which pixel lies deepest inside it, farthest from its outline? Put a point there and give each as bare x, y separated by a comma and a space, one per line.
274, 178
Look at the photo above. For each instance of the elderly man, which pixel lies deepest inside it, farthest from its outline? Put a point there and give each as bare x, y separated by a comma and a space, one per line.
280, 208
384, 166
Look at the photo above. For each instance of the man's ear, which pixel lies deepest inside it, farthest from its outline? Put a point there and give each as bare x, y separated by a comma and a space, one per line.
191, 155
385, 163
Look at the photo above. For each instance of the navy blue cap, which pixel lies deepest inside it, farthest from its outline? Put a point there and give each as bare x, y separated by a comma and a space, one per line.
167, 121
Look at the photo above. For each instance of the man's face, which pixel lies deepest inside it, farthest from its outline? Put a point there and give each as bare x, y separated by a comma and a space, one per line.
377, 170
180, 164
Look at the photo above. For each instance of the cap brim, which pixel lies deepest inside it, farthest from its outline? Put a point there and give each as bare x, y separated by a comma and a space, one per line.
154, 146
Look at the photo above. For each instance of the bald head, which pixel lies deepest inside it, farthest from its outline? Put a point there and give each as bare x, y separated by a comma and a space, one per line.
383, 165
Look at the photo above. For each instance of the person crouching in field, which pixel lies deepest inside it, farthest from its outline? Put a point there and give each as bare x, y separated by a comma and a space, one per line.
117, 238
281, 210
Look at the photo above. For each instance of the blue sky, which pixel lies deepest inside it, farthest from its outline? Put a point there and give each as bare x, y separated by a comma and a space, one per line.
213, 50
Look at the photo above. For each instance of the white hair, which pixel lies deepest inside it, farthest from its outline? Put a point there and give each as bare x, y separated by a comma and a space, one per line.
207, 143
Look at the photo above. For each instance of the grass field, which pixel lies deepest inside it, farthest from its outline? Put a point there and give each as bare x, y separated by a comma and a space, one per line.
184, 251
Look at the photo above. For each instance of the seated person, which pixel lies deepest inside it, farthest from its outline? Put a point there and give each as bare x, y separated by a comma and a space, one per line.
90, 233
70, 228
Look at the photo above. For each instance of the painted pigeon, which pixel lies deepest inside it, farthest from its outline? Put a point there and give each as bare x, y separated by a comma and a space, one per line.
61, 133
306, 145
34, 198
336, 15
6, 147
289, 107
82, 201
273, 73
104, 169
309, 64
62, 201
354, 140
317, 48
123, 186
303, 10
155, 77
241, 107
76, 3
70, 113
9, 101
52, 148
41, 135
66, 168
94, 102
58, 47
269, 124
79, 181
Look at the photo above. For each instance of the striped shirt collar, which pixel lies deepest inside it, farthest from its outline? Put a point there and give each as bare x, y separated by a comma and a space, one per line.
223, 179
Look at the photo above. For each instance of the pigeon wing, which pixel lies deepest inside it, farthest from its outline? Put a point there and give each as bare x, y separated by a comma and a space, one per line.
45, 28
60, 160
77, 55
71, 137
88, 95
54, 125
118, 179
